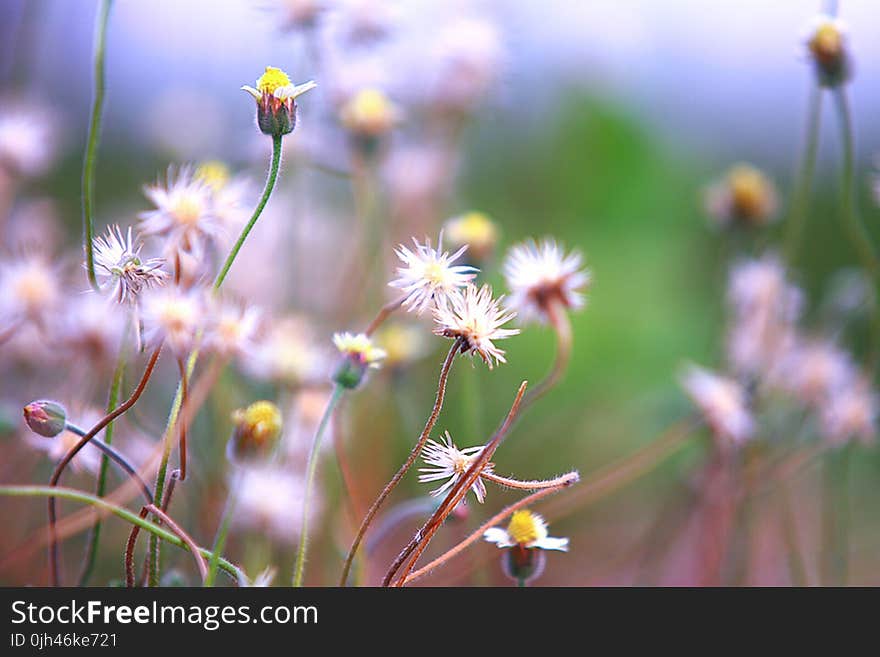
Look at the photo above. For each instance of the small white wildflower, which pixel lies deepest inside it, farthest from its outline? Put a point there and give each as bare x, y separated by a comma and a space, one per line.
91, 328
539, 275
232, 328
269, 502
27, 138
449, 462
359, 347
429, 275
118, 263
173, 316
722, 402
288, 353
184, 214
475, 317
525, 530
29, 289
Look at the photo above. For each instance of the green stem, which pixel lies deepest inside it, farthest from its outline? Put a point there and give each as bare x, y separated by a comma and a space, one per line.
113, 399
798, 211
311, 468
835, 517
125, 514
267, 192
222, 533
88, 178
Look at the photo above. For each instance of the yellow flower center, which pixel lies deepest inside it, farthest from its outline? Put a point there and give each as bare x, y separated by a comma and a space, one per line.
263, 419
187, 211
271, 80
34, 289
750, 191
827, 42
369, 111
472, 228
435, 273
214, 173
524, 527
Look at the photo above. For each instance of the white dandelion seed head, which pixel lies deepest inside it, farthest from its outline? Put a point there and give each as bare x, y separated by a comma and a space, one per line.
476, 318
174, 316
722, 401
118, 263
428, 275
539, 274
184, 213
448, 462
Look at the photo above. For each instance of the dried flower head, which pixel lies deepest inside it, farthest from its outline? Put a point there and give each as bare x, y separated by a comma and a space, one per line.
118, 263
722, 401
184, 213
541, 275
474, 317
450, 463
276, 101
476, 231
827, 47
526, 530
428, 274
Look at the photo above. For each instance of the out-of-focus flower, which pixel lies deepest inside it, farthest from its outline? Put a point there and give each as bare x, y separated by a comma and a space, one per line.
476, 231
300, 14
745, 195
367, 20
288, 353
270, 501
418, 178
276, 101
34, 227
232, 328
722, 401
118, 263
45, 417
448, 462
302, 420
526, 530
428, 274
255, 432
850, 412
29, 290
358, 355
27, 139
475, 317
827, 48
403, 343
262, 580
227, 193
91, 328
184, 214
541, 275
173, 316
470, 52
814, 370
369, 114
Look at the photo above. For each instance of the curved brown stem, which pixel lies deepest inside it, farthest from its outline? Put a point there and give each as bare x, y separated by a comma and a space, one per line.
129, 549
183, 536
413, 455
562, 327
559, 483
422, 537
383, 314
73, 451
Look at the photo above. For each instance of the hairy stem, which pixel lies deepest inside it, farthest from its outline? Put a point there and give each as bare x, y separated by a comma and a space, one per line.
267, 192
88, 177
413, 455
311, 469
59, 469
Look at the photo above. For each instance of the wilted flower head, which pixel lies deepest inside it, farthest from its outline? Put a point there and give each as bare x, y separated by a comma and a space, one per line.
541, 275
255, 432
428, 274
827, 47
173, 316
476, 231
450, 463
29, 289
850, 412
184, 214
745, 195
722, 401
27, 138
118, 263
474, 317
358, 355
276, 101
369, 113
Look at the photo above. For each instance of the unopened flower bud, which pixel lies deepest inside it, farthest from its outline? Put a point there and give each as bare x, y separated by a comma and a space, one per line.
276, 101
45, 417
358, 355
523, 565
255, 433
